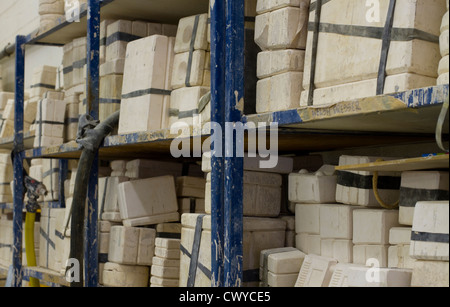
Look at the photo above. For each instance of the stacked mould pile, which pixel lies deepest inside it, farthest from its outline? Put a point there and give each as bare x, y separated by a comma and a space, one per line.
51, 14
387, 48
280, 31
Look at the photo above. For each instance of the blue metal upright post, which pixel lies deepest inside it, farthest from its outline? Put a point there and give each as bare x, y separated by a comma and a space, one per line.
234, 161
18, 161
217, 157
92, 95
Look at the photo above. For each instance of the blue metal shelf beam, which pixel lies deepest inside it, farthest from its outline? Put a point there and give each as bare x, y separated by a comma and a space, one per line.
92, 90
217, 150
18, 161
234, 161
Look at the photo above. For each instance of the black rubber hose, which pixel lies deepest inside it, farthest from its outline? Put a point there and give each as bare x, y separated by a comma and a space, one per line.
94, 138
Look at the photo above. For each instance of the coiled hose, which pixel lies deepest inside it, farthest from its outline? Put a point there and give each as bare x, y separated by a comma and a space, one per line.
91, 142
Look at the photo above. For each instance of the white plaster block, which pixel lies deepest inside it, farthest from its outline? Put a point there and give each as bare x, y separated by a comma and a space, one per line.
111, 203
4, 97
421, 186
185, 34
372, 226
443, 79
430, 231
259, 234
79, 61
282, 261
381, 278
348, 64
119, 275
263, 6
430, 274
319, 187
145, 68
343, 250
184, 101
279, 92
131, 245
443, 65
181, 69
400, 235
274, 62
398, 257
340, 275
165, 272
166, 262
151, 197
163, 282
336, 221
123, 247
362, 254
444, 43
262, 194
316, 271
307, 218
167, 253
444, 24
284, 28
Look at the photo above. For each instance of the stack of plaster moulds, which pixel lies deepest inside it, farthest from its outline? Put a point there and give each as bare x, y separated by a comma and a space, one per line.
7, 119
146, 85
115, 36
429, 244
280, 31
55, 234
444, 46
352, 71
49, 123
423, 215
4, 98
6, 239
51, 14
342, 227
43, 80
263, 229
280, 267
74, 76
374, 228
323, 229
415, 186
165, 270
190, 77
6, 177
139, 205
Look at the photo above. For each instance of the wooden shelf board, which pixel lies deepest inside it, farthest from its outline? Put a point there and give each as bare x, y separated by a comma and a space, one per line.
414, 111
161, 11
8, 143
382, 120
401, 165
47, 276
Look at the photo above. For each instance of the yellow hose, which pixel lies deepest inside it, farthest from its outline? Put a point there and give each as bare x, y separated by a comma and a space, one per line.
377, 195
29, 246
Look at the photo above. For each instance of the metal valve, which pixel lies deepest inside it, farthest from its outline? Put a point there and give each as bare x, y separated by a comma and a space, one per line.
35, 190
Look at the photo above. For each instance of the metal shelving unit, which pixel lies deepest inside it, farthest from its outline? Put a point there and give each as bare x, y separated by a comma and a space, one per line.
407, 117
